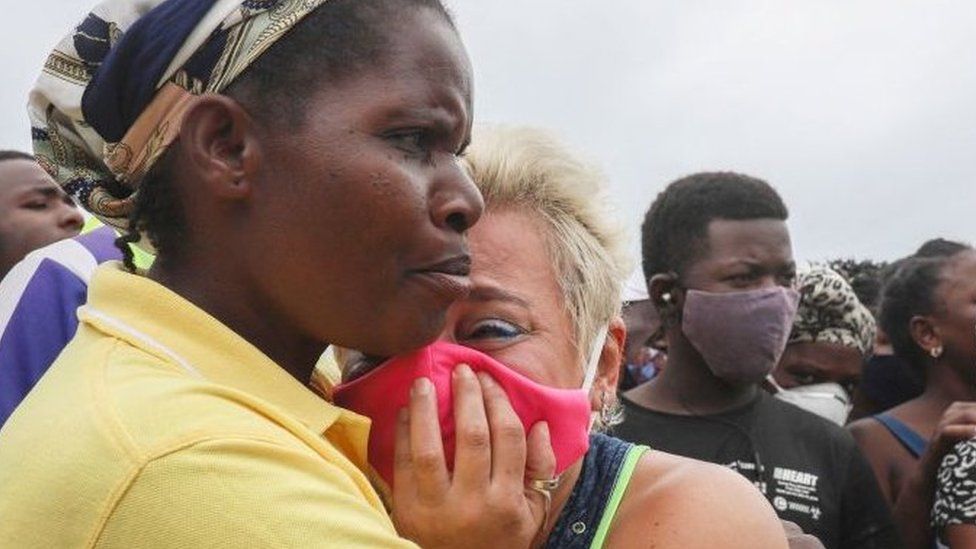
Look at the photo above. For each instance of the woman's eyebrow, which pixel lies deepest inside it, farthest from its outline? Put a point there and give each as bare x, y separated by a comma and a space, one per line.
492, 293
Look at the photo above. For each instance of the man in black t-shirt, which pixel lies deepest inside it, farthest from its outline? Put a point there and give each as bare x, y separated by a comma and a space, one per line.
719, 265
809, 469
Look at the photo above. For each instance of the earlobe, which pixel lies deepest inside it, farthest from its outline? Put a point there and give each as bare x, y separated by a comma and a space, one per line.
608, 373
663, 290
926, 336
219, 140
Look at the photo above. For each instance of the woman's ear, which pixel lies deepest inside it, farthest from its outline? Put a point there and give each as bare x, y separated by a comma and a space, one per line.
608, 369
219, 140
926, 335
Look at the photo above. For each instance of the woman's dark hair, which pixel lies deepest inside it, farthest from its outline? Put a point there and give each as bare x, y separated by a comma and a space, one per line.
865, 278
909, 292
157, 214
675, 229
342, 38
940, 247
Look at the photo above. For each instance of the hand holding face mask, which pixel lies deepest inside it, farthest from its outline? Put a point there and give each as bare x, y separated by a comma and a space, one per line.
381, 393
486, 496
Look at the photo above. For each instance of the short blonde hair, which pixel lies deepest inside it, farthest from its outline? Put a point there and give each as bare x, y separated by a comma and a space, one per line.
529, 170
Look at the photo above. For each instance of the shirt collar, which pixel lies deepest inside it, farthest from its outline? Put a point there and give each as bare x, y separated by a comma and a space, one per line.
155, 319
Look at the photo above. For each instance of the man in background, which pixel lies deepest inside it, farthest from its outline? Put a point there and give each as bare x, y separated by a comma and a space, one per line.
645, 352
34, 211
719, 267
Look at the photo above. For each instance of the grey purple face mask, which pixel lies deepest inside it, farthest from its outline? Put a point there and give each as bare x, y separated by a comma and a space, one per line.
741, 335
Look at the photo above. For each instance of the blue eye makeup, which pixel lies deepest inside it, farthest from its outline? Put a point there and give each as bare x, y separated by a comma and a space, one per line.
493, 328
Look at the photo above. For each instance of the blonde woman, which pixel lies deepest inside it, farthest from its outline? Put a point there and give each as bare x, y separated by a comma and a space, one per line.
548, 261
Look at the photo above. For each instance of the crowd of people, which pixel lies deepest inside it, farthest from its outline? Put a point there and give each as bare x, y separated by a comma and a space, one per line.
313, 304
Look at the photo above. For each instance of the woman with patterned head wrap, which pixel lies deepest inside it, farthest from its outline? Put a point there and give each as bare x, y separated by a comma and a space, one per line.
294, 164
832, 335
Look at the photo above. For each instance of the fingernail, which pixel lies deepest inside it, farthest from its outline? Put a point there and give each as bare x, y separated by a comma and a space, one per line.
545, 427
421, 386
463, 371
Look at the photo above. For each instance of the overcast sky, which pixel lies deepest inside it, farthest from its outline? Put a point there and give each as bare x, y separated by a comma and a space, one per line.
862, 114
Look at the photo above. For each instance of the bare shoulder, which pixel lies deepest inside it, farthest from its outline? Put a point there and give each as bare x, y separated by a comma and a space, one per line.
873, 439
679, 502
872, 435
884, 453
865, 430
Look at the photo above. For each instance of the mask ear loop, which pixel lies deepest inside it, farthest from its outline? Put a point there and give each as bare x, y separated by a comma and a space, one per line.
593, 363
772, 382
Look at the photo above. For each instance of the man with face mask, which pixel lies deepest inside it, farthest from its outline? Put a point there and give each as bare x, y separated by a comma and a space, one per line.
719, 264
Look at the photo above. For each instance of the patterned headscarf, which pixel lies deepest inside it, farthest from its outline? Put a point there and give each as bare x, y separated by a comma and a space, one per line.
112, 94
830, 312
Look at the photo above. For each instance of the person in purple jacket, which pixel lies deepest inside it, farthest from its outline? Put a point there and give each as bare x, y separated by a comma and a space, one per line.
38, 300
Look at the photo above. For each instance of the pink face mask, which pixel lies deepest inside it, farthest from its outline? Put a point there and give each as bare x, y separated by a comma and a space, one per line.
381, 393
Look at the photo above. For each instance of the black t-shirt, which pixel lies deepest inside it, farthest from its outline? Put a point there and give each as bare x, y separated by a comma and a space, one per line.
810, 470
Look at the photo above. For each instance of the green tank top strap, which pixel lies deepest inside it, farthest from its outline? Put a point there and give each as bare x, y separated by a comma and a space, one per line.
619, 488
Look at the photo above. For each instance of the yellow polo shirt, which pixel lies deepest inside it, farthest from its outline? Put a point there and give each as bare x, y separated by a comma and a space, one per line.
160, 427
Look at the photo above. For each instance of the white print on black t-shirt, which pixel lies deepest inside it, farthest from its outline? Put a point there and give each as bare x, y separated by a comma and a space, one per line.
796, 491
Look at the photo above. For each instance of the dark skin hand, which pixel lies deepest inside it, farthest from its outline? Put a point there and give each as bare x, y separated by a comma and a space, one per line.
912, 509
739, 256
961, 536
941, 414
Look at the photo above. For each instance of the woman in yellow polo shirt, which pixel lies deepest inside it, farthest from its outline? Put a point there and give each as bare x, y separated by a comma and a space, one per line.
294, 163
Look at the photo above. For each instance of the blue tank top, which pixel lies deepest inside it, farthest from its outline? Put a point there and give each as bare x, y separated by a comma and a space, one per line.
603, 479
912, 441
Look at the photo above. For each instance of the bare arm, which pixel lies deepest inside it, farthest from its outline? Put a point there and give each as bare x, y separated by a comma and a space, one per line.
869, 436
